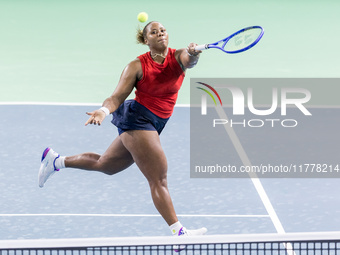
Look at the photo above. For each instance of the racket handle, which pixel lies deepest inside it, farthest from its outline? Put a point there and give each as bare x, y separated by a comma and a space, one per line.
202, 47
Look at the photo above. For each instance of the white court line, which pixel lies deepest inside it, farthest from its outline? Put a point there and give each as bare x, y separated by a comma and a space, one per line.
177, 105
66, 104
51, 103
132, 215
246, 162
254, 178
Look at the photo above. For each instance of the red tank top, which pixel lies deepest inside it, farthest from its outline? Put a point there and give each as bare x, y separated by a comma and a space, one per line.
158, 89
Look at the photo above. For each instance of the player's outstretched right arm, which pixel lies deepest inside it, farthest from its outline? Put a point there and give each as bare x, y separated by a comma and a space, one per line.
132, 72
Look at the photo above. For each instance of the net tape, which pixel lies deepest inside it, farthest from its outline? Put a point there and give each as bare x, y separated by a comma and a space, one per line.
292, 244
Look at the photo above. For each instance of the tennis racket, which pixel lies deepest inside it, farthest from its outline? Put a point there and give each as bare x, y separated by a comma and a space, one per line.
242, 40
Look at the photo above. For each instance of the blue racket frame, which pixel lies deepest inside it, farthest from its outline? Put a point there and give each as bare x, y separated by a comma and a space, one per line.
225, 41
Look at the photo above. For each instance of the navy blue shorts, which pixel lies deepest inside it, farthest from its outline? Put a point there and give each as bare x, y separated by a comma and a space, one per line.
131, 115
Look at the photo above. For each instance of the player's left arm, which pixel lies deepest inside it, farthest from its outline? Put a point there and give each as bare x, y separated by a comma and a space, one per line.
188, 57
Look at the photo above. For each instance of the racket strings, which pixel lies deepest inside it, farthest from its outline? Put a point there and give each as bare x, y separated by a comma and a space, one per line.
242, 40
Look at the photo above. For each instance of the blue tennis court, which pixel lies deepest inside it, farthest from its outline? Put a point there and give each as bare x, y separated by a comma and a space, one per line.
77, 203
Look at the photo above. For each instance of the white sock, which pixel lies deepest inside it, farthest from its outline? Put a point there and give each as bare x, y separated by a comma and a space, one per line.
175, 228
60, 163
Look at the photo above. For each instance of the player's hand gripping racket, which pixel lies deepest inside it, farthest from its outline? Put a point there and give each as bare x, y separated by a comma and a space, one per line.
242, 40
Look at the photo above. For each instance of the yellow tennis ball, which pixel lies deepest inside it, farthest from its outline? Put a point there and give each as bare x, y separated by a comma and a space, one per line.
142, 16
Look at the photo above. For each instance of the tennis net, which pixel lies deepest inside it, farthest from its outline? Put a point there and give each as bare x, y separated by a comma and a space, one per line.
316, 243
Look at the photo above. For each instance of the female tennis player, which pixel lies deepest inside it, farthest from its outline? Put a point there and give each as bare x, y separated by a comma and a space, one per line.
157, 76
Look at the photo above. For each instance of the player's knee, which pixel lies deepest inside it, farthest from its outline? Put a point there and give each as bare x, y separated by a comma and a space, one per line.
106, 169
111, 169
103, 167
158, 182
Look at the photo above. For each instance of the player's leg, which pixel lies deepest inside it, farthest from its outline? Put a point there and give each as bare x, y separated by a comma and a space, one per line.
147, 152
115, 159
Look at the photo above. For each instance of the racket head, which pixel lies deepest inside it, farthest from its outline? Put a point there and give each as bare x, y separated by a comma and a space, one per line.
240, 41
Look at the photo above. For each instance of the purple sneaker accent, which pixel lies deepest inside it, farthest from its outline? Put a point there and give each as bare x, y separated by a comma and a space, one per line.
184, 232
47, 166
55, 169
45, 153
180, 247
181, 232
178, 250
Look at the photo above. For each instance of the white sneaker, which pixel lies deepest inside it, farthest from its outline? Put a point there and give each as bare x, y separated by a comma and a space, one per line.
185, 232
47, 167
195, 232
